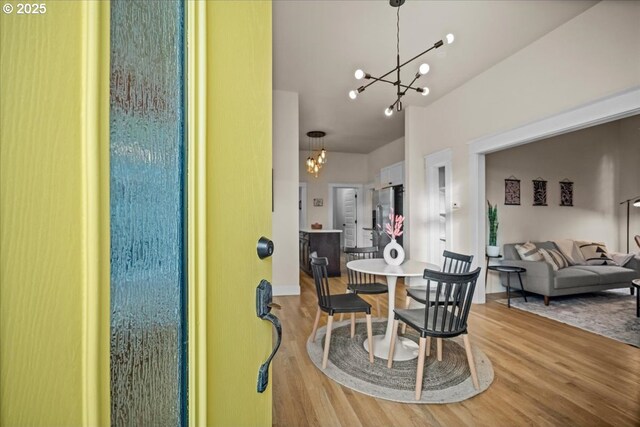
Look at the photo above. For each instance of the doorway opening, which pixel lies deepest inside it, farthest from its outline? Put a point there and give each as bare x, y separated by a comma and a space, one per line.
345, 213
439, 177
611, 108
302, 205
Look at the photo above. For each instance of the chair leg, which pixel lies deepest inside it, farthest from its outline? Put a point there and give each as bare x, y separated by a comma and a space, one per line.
439, 348
428, 351
420, 373
327, 342
378, 305
370, 338
472, 363
341, 317
353, 325
392, 347
315, 325
407, 302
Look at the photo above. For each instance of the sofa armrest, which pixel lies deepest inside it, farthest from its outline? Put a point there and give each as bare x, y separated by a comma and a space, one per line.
539, 277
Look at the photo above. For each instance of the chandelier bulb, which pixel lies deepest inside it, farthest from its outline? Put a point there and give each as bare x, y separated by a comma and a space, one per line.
316, 169
425, 91
450, 38
388, 112
359, 74
353, 94
424, 69
323, 153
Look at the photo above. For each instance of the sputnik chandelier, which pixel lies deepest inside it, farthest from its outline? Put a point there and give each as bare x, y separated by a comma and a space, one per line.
401, 89
317, 154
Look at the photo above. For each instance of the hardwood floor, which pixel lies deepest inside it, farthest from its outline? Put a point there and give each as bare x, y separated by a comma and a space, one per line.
546, 373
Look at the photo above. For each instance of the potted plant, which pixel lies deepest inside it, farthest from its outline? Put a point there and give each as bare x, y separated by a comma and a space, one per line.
492, 248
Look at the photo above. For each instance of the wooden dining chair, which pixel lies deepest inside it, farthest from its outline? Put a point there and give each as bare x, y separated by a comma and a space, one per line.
364, 283
444, 316
339, 303
453, 263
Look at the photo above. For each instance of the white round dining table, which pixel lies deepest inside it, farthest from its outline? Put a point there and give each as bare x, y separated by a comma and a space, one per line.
405, 348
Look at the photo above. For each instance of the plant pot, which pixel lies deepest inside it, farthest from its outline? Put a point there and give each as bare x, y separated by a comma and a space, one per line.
393, 253
493, 250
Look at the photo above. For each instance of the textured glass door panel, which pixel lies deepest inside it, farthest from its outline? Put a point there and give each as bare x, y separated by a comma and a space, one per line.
148, 318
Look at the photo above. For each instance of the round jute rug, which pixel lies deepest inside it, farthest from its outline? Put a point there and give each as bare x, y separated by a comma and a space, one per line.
447, 381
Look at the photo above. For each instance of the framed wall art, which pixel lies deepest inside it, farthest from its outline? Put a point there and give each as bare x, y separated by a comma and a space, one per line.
566, 193
539, 192
318, 202
512, 191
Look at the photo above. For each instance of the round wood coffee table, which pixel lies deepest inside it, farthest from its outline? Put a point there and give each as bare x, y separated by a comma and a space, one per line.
636, 284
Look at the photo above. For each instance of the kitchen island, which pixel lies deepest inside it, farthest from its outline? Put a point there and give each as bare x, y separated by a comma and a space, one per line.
326, 243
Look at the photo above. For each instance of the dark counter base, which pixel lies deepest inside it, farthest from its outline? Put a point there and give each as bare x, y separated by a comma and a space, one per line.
326, 245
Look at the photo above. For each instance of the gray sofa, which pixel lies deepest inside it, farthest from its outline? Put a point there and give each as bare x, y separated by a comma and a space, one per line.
576, 279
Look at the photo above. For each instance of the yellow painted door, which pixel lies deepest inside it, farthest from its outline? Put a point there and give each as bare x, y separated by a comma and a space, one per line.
54, 212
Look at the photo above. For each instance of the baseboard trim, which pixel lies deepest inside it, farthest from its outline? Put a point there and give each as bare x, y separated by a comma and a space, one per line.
285, 290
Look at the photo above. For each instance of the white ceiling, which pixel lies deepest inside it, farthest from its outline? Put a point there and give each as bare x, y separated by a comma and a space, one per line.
317, 46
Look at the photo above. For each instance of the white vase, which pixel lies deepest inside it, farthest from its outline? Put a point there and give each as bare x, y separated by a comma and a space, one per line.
388, 258
493, 251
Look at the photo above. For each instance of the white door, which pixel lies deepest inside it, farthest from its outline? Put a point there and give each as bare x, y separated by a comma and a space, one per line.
349, 227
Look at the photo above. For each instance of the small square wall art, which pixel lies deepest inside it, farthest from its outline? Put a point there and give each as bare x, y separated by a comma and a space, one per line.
318, 202
512, 191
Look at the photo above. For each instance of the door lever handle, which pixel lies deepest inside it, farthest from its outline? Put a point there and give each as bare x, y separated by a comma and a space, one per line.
264, 304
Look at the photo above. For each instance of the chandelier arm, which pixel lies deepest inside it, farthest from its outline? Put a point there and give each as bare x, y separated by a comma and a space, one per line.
435, 46
409, 87
396, 102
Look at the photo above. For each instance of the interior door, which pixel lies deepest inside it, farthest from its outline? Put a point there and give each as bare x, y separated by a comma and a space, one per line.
350, 215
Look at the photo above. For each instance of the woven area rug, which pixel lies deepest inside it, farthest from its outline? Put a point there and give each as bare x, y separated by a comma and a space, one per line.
444, 382
608, 313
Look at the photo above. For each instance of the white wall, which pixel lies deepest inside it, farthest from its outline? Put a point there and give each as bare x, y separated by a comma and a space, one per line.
285, 277
628, 180
588, 158
588, 58
341, 168
384, 156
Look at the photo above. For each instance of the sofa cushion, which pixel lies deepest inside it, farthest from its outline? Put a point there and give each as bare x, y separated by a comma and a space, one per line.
554, 258
573, 277
611, 273
595, 253
529, 252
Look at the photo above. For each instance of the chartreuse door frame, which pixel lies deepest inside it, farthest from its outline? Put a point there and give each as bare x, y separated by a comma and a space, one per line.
55, 213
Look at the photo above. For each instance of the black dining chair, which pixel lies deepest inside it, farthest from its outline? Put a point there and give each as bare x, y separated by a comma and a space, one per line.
364, 283
453, 263
339, 303
444, 316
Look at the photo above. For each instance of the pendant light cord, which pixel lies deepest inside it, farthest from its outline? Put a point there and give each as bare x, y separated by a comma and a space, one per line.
398, 31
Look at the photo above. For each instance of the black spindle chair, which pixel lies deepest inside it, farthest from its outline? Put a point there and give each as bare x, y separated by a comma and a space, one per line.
364, 283
339, 303
444, 316
453, 263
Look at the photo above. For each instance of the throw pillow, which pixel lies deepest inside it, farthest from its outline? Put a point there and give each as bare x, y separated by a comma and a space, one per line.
570, 250
529, 252
555, 258
595, 253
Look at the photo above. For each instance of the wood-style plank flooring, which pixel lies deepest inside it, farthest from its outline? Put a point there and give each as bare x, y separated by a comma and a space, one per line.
546, 374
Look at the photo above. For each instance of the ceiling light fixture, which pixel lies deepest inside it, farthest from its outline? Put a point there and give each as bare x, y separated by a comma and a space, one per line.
317, 154
402, 89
